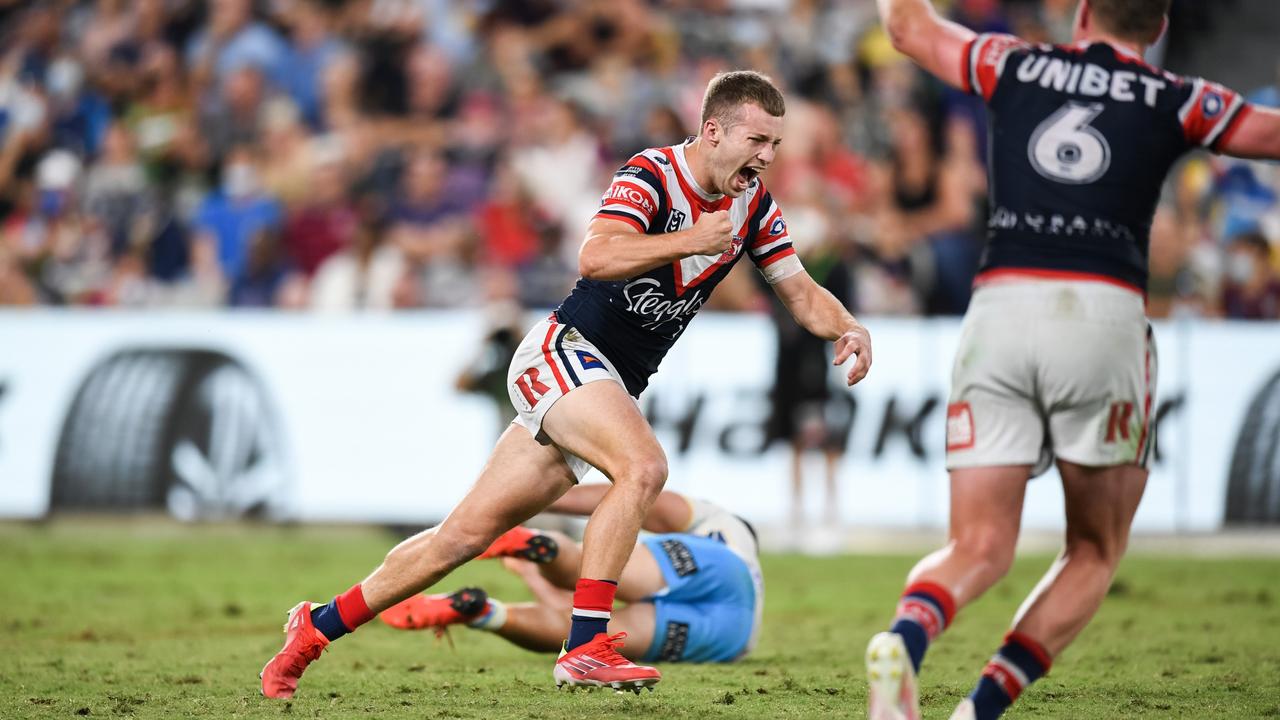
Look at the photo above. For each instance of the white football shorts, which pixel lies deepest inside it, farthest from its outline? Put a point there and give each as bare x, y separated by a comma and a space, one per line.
1051, 369
551, 361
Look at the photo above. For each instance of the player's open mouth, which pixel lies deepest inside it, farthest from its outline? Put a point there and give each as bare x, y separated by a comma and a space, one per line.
746, 175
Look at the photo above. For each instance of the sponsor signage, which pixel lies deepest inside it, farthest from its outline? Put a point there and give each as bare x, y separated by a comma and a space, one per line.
356, 418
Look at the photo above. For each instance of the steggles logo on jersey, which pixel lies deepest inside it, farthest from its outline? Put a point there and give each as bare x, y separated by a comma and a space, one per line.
644, 298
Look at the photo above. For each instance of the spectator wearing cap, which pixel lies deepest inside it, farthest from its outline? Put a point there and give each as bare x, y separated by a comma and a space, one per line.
74, 261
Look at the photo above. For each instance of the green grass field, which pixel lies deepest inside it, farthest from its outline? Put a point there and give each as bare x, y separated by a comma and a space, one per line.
157, 620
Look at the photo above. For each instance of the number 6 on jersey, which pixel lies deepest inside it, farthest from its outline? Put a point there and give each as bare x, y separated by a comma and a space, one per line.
1067, 149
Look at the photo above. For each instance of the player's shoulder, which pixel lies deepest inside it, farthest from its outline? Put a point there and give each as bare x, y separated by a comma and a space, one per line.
652, 165
993, 46
985, 60
655, 160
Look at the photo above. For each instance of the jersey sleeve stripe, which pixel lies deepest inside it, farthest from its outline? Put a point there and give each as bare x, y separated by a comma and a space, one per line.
611, 214
1228, 118
1190, 104
762, 236
762, 205
629, 209
781, 255
767, 249
779, 249
1232, 126
971, 64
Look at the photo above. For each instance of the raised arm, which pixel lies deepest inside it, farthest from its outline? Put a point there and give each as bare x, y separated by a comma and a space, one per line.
934, 43
1256, 137
820, 313
670, 513
617, 250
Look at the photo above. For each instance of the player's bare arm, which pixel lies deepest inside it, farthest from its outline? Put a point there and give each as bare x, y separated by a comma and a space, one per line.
614, 250
934, 43
1257, 137
818, 311
671, 512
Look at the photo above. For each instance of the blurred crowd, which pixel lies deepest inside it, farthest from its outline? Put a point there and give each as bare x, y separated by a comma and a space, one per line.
350, 154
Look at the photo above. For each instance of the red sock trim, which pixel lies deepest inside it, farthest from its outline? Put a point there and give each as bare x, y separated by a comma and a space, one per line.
1029, 644
352, 608
594, 594
939, 594
1002, 677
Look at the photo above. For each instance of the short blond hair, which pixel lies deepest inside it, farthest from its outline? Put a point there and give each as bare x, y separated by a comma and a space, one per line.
729, 91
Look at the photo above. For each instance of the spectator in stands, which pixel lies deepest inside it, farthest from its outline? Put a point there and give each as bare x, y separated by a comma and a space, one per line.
480, 104
15, 288
234, 114
326, 222
508, 222
162, 122
116, 194
263, 280
314, 47
230, 218
1171, 280
232, 40
1252, 289
369, 275
72, 256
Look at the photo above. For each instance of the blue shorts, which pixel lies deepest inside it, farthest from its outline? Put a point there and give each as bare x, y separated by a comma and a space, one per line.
707, 612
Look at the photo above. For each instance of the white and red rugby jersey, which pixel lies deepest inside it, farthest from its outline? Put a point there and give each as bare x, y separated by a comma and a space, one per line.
635, 321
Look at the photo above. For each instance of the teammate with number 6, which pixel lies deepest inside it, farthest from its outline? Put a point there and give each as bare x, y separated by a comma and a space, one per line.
1056, 360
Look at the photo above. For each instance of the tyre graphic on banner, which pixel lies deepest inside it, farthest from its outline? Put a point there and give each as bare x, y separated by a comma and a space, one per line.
191, 432
1253, 485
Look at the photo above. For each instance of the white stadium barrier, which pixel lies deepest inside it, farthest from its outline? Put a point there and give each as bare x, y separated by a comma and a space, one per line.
330, 418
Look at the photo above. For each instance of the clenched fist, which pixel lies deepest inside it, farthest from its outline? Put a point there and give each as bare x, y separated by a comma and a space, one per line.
712, 234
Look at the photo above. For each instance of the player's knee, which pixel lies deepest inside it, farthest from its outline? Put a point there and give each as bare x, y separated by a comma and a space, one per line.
1096, 549
648, 475
992, 548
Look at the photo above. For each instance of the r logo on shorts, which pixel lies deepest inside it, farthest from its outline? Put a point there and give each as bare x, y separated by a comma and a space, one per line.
552, 361
531, 388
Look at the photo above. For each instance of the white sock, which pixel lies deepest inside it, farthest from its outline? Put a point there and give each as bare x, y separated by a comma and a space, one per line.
494, 617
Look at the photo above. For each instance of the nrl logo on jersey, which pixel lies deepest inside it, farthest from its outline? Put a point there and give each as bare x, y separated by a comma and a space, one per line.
675, 220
